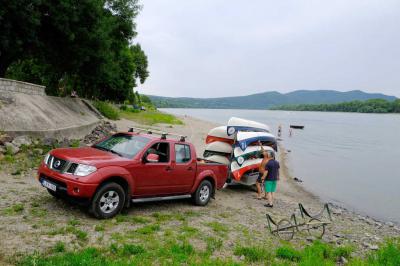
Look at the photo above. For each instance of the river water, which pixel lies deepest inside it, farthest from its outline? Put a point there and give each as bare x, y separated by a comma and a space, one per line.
348, 158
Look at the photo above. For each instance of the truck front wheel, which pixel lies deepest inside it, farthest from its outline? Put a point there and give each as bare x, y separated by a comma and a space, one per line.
108, 201
203, 193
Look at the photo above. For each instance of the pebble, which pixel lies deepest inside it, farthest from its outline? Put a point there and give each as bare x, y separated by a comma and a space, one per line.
390, 224
374, 247
14, 149
242, 257
22, 140
310, 238
343, 260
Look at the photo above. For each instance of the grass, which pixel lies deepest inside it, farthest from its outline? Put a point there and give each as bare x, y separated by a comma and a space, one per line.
169, 251
151, 117
15, 209
253, 253
148, 229
218, 228
107, 109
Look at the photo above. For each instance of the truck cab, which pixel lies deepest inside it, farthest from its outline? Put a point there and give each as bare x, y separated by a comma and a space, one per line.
130, 167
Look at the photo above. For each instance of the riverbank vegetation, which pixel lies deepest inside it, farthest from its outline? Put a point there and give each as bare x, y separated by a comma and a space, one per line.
83, 46
145, 114
369, 106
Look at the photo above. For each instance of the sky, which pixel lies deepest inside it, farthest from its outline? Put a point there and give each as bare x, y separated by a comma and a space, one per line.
214, 48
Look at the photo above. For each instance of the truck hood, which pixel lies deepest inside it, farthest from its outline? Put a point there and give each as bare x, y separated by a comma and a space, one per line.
88, 155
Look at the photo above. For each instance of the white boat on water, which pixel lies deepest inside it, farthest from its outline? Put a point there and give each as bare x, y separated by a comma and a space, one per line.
219, 134
236, 124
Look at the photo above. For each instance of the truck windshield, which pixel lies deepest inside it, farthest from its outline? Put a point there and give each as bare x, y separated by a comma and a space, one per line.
123, 145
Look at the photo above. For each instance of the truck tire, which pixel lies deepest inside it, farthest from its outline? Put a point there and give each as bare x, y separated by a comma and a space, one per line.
203, 193
108, 201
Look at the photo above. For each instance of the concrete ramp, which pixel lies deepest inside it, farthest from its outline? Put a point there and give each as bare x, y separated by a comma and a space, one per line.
45, 116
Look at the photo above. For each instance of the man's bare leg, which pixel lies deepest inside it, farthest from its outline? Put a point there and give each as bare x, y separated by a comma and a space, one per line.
258, 185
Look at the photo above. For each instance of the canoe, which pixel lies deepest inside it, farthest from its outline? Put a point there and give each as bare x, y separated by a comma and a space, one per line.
236, 124
218, 159
296, 126
244, 139
219, 134
250, 153
239, 170
219, 146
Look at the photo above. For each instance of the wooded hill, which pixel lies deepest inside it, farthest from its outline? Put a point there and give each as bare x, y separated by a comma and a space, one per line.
267, 100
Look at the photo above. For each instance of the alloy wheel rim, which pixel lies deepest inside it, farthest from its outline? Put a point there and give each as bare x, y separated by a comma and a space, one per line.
204, 193
109, 201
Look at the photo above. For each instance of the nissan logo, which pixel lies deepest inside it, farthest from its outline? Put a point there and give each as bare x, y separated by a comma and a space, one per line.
57, 164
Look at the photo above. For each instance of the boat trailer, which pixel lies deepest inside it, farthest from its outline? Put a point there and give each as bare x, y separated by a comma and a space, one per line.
314, 225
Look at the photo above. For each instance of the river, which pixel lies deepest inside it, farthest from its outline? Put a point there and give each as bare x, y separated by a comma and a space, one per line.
347, 158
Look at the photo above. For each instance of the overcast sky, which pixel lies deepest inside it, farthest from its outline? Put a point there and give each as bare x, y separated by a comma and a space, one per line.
212, 48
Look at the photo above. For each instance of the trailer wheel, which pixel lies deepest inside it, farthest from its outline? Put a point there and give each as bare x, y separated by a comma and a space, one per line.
108, 201
203, 193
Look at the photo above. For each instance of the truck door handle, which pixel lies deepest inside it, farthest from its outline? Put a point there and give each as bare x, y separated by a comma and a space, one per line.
190, 168
168, 168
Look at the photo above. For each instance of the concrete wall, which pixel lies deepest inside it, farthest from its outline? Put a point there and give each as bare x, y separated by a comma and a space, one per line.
9, 85
45, 116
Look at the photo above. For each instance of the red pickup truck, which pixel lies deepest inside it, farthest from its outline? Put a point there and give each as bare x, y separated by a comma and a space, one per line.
129, 167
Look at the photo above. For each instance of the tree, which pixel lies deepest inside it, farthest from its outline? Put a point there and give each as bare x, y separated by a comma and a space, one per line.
19, 23
76, 45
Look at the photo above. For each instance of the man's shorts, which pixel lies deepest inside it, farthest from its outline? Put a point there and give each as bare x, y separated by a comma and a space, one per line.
270, 186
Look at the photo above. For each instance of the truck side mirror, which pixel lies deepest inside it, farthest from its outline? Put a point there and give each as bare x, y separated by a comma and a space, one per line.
152, 158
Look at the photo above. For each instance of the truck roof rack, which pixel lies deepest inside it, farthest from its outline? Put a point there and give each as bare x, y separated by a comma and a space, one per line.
158, 132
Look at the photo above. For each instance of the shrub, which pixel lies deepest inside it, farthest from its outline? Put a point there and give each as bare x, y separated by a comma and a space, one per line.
107, 109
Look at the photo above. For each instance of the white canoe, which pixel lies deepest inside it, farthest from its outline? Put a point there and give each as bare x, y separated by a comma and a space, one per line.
219, 134
236, 124
249, 153
219, 146
239, 170
218, 159
244, 139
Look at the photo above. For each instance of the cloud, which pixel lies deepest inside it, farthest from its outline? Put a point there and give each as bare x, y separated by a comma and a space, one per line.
207, 48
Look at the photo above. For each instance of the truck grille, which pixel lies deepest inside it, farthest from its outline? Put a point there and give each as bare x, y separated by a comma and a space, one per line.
71, 169
56, 164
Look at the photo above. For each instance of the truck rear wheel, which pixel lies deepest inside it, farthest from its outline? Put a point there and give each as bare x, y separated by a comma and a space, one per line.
108, 201
203, 193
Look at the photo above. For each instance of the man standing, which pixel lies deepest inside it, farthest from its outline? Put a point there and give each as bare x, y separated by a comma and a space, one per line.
270, 177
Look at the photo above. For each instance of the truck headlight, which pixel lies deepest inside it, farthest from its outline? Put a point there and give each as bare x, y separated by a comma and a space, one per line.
46, 158
84, 170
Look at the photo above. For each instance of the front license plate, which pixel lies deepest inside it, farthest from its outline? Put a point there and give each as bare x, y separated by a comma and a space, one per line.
49, 185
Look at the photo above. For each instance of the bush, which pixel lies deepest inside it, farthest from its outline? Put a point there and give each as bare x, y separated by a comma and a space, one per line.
107, 109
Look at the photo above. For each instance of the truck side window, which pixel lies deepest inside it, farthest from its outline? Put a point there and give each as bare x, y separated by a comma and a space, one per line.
182, 153
162, 149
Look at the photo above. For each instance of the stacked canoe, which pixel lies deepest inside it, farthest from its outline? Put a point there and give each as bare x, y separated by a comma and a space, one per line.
237, 145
